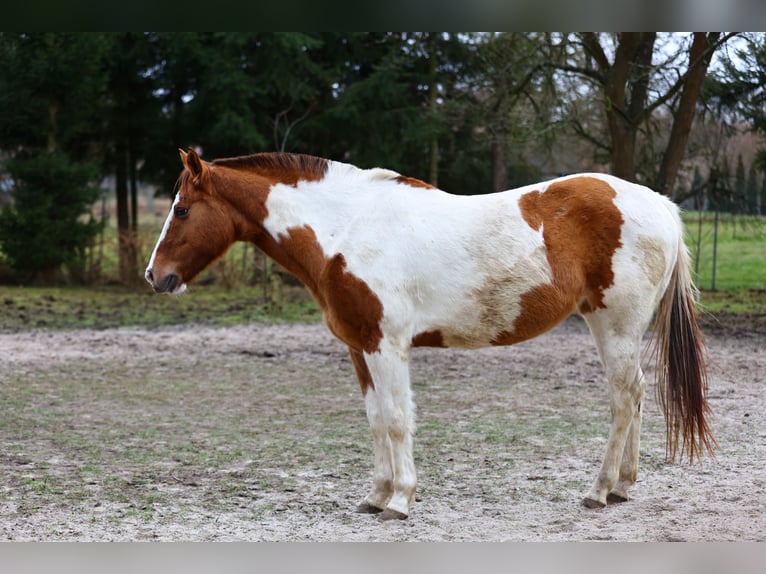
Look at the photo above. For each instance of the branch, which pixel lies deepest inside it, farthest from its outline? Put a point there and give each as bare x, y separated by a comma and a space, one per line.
587, 72
288, 124
593, 46
706, 53
598, 142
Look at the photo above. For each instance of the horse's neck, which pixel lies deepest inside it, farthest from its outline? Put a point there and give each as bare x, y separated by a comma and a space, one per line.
285, 218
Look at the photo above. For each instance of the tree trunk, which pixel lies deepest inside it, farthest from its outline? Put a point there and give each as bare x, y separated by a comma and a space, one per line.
499, 165
53, 110
699, 60
125, 235
433, 160
625, 93
133, 172
623, 137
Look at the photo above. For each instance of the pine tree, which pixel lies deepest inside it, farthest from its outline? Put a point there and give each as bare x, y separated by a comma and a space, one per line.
45, 228
54, 84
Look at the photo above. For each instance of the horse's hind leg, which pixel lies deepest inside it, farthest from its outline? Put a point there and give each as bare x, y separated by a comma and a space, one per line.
629, 465
619, 346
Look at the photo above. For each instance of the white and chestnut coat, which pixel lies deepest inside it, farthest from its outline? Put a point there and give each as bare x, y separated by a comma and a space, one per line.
395, 263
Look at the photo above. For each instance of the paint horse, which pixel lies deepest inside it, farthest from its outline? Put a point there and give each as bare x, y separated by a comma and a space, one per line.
395, 263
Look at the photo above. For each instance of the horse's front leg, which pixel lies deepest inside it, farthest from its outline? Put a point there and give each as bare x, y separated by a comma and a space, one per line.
390, 411
383, 472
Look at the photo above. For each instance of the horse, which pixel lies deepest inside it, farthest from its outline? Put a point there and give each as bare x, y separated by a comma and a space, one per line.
395, 263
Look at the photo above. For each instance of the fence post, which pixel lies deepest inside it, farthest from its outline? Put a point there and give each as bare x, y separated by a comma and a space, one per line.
715, 248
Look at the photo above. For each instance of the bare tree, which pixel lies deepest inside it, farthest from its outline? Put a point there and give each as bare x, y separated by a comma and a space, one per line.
511, 93
635, 75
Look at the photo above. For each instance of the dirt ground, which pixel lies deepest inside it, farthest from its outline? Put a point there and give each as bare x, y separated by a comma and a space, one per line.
258, 433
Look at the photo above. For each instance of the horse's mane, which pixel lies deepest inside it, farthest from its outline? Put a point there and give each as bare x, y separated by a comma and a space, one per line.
302, 166
314, 167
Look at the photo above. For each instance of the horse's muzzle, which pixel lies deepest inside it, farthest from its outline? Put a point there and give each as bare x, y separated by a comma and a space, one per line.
169, 284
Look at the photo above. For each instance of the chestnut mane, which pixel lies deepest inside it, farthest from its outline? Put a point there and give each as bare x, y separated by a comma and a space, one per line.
311, 167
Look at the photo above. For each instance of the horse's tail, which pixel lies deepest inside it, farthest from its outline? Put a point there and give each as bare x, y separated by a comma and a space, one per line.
681, 376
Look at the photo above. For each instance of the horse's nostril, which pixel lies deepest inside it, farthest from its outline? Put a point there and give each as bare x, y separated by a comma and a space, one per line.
149, 276
170, 283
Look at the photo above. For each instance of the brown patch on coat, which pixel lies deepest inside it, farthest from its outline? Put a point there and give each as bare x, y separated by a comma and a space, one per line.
299, 252
581, 231
429, 339
351, 309
412, 182
362, 371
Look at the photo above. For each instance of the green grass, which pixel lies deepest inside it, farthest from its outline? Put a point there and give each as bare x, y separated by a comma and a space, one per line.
23, 308
734, 302
740, 254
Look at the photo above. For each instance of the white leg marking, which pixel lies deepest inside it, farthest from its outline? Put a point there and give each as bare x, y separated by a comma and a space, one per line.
391, 415
629, 466
383, 471
620, 356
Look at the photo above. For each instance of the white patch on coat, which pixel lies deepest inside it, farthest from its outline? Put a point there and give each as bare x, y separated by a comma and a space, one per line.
428, 255
645, 261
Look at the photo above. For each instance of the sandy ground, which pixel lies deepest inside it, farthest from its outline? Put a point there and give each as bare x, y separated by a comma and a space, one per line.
258, 433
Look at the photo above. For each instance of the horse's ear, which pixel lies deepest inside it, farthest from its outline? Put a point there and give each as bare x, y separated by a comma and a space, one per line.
193, 163
183, 154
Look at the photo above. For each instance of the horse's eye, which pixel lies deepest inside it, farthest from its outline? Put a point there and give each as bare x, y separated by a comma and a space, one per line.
181, 212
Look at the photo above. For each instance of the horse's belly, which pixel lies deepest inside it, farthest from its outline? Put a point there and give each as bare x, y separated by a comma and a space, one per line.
501, 313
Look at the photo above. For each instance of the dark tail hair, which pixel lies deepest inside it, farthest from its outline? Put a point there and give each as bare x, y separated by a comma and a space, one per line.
681, 376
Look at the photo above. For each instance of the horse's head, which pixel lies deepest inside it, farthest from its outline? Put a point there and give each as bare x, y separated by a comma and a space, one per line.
198, 229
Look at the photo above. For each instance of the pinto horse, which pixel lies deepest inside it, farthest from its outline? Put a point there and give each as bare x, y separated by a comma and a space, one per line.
395, 263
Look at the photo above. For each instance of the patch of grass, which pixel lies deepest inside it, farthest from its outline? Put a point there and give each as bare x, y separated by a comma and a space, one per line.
41, 486
747, 302
23, 308
740, 251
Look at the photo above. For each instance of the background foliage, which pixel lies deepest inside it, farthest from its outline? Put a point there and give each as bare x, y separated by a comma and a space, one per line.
90, 123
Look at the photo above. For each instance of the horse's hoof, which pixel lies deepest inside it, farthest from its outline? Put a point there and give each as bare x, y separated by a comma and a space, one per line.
590, 503
613, 498
390, 514
367, 508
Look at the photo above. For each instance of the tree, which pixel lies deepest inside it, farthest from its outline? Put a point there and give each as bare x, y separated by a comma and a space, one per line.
700, 53
391, 104
51, 88
740, 198
740, 90
742, 86
131, 110
45, 228
511, 90
632, 87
